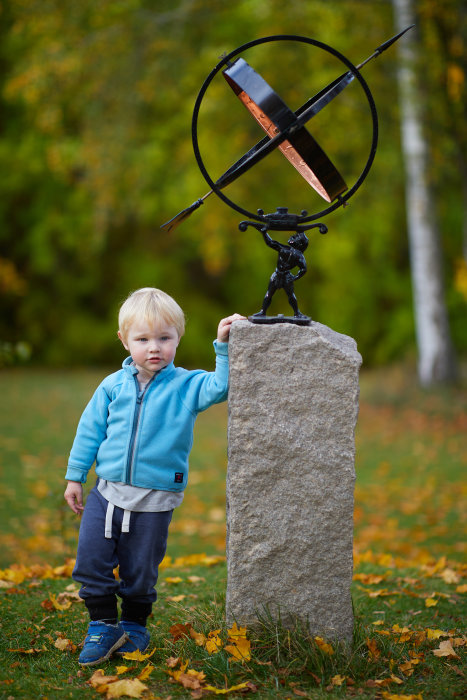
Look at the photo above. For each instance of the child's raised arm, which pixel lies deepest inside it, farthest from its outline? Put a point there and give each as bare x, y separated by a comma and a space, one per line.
223, 330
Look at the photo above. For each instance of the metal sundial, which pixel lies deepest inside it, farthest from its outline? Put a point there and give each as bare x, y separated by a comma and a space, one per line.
286, 131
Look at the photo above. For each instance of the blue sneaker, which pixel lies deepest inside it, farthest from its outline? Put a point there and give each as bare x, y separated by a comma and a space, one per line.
138, 638
100, 643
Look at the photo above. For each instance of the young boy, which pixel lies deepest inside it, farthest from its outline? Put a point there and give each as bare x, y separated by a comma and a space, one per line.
138, 429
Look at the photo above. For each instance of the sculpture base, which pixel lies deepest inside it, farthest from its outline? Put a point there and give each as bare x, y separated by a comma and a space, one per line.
280, 318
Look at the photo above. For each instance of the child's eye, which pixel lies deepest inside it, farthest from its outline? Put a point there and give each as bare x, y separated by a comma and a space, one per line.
142, 340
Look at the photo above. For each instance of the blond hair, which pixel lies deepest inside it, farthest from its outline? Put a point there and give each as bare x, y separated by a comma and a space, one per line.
151, 306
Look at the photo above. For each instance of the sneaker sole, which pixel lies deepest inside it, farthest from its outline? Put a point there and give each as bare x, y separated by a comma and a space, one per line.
119, 643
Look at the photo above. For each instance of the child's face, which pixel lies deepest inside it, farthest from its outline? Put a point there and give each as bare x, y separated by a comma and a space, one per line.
152, 347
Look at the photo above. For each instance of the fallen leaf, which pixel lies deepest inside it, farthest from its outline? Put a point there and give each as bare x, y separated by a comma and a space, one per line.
191, 678
449, 576
28, 651
214, 642
57, 605
368, 578
462, 588
64, 644
128, 687
176, 598
373, 649
324, 646
173, 579
435, 634
446, 649
240, 649
224, 691
138, 655
120, 670
338, 680
172, 661
406, 668
97, 679
198, 637
235, 632
146, 672
430, 602
178, 631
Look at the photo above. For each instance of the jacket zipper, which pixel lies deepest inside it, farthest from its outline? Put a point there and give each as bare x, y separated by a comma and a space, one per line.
134, 430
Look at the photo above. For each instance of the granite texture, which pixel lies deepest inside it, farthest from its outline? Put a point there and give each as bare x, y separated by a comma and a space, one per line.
293, 406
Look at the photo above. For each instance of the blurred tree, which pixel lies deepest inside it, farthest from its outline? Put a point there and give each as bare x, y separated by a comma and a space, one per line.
96, 102
436, 356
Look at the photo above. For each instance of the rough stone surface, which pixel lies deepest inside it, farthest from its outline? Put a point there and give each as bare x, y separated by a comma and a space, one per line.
293, 406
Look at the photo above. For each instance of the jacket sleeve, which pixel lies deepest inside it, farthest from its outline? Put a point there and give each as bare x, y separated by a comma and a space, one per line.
208, 388
91, 431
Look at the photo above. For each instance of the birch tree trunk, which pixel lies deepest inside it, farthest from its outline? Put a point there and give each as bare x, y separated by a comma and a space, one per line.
436, 361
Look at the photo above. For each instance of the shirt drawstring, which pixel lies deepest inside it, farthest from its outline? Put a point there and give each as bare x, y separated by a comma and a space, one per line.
109, 517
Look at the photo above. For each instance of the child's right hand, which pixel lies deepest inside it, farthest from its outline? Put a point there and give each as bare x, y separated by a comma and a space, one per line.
74, 496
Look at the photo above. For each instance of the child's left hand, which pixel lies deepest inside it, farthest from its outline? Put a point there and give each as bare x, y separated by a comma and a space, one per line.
223, 330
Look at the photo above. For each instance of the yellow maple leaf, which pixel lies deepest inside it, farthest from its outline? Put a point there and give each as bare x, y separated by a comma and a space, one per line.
128, 687
235, 632
176, 598
435, 634
430, 602
198, 637
121, 669
57, 605
462, 588
324, 646
146, 672
214, 643
446, 649
173, 579
338, 680
240, 649
224, 691
138, 655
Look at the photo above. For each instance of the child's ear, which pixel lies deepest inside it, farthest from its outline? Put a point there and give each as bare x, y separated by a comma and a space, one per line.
122, 340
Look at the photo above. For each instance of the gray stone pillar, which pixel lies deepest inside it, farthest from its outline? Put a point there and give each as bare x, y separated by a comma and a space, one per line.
293, 406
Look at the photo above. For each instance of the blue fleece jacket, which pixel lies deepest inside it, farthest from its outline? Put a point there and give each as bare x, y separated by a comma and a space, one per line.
144, 438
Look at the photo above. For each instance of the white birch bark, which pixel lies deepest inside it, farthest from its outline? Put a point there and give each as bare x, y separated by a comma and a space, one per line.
436, 361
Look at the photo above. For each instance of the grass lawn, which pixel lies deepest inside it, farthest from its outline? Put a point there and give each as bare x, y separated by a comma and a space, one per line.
409, 583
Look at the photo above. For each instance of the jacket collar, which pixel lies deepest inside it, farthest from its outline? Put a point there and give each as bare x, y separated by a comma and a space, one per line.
130, 368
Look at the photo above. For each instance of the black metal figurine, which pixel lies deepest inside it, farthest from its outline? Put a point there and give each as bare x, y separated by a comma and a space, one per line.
289, 256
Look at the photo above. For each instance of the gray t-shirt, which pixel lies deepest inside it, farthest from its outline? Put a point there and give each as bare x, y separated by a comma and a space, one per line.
137, 499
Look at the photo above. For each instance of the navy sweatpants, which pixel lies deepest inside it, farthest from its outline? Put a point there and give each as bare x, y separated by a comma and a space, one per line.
138, 552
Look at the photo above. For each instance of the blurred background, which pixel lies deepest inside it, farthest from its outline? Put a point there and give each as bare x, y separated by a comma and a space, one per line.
96, 153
